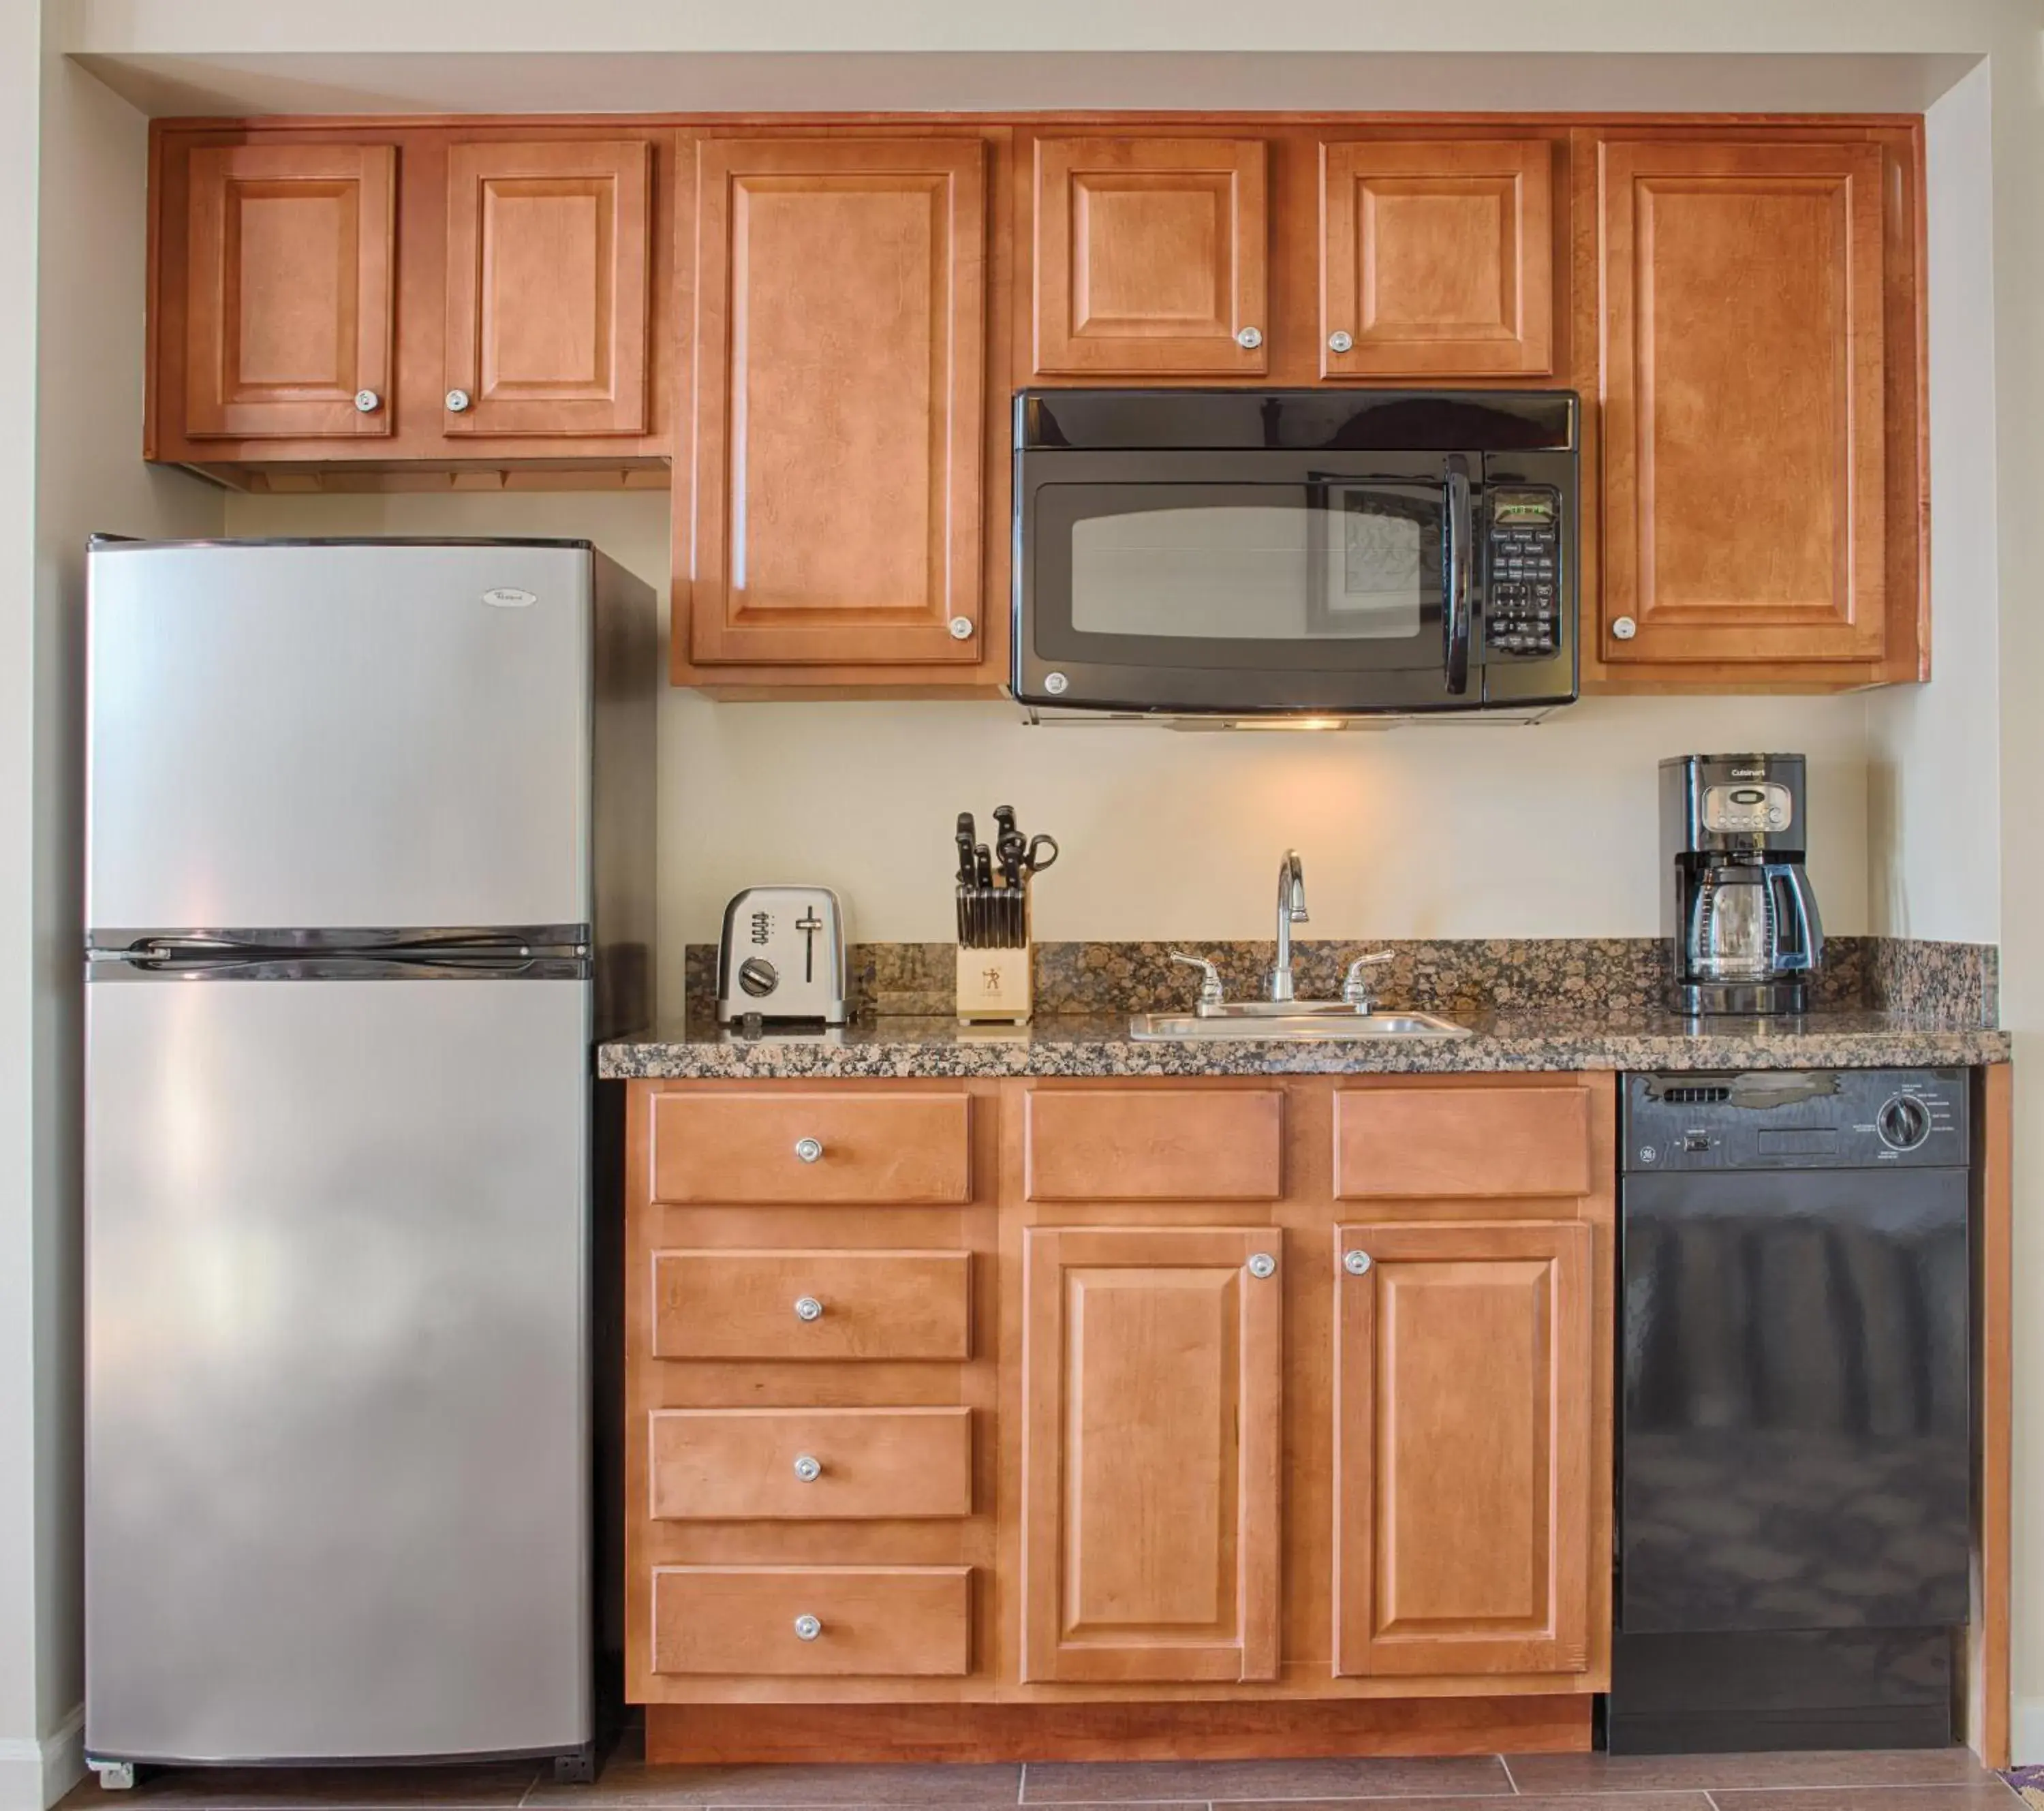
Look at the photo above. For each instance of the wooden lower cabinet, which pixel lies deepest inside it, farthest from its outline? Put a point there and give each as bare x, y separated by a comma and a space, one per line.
1462, 1383
1095, 1446
1151, 1381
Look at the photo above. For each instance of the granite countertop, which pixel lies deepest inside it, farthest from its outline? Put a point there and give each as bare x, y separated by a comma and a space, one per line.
1098, 1044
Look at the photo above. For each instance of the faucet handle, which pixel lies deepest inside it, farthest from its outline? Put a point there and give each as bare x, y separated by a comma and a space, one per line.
1354, 991
1211, 995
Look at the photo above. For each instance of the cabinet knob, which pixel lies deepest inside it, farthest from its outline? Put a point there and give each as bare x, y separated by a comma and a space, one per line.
807, 1628
1624, 629
367, 401
1262, 1264
808, 1308
809, 1149
1338, 341
808, 1467
1356, 1263
961, 628
1249, 338
457, 401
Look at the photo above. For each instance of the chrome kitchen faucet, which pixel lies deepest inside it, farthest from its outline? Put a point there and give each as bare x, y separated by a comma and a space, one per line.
1291, 910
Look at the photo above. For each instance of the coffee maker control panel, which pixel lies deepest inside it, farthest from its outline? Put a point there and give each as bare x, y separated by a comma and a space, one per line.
1766, 808
1523, 604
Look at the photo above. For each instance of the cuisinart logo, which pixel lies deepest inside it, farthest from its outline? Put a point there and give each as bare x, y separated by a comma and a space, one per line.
509, 598
1737, 773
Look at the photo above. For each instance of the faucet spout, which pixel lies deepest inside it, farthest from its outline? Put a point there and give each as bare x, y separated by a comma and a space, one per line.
1291, 910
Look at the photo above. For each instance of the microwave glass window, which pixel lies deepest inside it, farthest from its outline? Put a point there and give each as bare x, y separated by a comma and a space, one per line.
1297, 563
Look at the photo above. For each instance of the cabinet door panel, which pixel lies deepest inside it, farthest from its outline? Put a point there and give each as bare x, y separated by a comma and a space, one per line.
1151, 1382
1463, 1388
1438, 258
549, 260
291, 260
1743, 376
840, 334
1151, 255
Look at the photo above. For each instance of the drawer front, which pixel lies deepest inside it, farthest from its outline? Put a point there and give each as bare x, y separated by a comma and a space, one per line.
813, 1621
810, 1464
812, 1149
811, 1305
1412, 1143
1114, 1143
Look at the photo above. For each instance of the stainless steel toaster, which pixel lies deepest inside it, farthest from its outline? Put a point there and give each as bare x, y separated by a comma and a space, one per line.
782, 958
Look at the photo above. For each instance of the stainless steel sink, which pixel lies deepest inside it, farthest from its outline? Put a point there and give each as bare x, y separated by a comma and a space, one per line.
1294, 1021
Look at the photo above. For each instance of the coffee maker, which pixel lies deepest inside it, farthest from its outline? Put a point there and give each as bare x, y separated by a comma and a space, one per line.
1739, 913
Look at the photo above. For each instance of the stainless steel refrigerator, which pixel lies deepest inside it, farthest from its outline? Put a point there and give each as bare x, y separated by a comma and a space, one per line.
369, 868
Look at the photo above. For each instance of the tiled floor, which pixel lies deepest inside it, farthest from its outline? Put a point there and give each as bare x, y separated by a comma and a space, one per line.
1941, 1780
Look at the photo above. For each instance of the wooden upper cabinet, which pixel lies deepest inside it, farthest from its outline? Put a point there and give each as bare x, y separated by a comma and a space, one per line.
1743, 387
1151, 1434
1437, 257
1463, 1380
549, 253
839, 331
290, 260
1150, 255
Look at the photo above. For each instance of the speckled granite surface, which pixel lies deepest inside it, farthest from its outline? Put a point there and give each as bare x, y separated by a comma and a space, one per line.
1560, 1036
1454, 976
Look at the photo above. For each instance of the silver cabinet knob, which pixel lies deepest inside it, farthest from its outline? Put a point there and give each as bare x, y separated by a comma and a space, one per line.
809, 1149
367, 401
1338, 341
1356, 1263
961, 628
807, 1628
1249, 338
457, 401
808, 1308
1624, 629
808, 1468
1262, 1264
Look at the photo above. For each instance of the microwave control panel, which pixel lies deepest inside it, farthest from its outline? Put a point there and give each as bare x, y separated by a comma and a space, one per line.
1523, 604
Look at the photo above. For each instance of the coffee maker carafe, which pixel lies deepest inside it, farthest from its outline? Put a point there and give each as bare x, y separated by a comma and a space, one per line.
1740, 912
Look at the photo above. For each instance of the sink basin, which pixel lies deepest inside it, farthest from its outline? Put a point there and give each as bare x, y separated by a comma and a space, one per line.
1295, 1022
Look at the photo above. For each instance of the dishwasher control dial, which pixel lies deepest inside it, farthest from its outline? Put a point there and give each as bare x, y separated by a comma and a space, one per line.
1904, 1122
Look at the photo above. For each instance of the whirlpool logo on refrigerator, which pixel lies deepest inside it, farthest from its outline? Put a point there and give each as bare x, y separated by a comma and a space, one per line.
509, 598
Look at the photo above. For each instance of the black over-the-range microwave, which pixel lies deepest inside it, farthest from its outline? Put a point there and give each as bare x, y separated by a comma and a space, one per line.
1213, 555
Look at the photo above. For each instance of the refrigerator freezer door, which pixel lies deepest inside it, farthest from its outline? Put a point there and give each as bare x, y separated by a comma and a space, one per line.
338, 1392
351, 736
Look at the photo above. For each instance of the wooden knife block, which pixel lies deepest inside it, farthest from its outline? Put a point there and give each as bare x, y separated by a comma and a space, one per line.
994, 984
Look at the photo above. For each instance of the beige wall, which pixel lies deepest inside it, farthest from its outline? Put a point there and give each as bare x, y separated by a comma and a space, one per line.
1467, 830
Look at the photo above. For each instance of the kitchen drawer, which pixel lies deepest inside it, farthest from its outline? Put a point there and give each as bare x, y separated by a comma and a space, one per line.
833, 1145
811, 1305
874, 1621
810, 1464
1408, 1143
1121, 1144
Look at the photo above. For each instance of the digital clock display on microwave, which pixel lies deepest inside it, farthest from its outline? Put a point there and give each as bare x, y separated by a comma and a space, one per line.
1522, 509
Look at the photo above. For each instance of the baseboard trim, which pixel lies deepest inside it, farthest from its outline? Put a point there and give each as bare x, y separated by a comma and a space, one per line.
1213, 1729
2026, 1732
34, 1775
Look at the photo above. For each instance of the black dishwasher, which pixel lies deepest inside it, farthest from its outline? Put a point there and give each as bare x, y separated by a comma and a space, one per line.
1794, 1441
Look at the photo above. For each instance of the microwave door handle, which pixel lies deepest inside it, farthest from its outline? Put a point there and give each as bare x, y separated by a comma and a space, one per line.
1790, 877
1455, 576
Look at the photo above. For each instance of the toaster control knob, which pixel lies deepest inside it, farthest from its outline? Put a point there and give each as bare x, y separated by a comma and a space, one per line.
758, 976
1903, 1122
